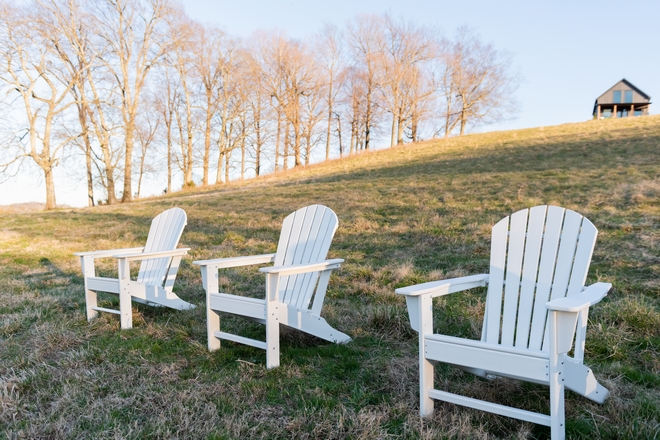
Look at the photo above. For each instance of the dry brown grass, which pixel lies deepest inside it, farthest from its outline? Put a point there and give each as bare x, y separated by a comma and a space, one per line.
408, 214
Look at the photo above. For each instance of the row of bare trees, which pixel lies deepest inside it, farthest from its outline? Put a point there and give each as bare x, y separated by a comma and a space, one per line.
135, 89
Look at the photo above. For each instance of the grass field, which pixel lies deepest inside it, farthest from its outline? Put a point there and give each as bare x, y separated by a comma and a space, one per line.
408, 214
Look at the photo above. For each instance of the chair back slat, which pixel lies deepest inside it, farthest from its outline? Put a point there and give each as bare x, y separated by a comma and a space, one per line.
513, 275
530, 273
553, 223
496, 281
164, 235
537, 255
306, 237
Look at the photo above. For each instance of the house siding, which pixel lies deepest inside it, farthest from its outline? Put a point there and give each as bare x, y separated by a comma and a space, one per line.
608, 97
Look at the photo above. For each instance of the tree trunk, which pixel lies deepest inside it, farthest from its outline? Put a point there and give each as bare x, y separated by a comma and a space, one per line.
399, 129
413, 127
327, 141
218, 177
341, 148
169, 161
207, 139
308, 146
393, 137
367, 123
128, 162
50, 188
286, 145
227, 157
277, 141
243, 157
463, 122
82, 116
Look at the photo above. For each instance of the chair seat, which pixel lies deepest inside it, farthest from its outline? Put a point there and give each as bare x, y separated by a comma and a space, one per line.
491, 358
238, 305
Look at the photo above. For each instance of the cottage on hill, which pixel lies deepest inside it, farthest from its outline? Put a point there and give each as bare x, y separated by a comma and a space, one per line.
622, 100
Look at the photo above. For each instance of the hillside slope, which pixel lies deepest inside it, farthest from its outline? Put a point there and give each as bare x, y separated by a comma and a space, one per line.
407, 214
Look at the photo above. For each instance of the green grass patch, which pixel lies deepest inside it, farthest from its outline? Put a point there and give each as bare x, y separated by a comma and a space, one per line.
407, 215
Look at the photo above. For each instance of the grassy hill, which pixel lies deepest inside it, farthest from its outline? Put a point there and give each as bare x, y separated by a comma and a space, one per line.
408, 214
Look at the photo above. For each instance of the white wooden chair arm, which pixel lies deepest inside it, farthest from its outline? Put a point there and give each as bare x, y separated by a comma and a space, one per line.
108, 253
303, 268
575, 303
152, 255
221, 263
444, 287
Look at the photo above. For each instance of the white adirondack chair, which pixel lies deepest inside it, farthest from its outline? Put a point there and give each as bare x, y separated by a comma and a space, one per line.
295, 285
536, 297
160, 263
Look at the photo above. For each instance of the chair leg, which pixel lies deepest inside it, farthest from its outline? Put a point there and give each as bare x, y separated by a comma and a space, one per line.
212, 326
125, 310
557, 414
273, 334
556, 363
425, 383
91, 299
425, 313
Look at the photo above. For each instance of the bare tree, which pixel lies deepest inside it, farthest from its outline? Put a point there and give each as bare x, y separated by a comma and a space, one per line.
183, 60
331, 57
482, 81
146, 130
366, 40
31, 70
405, 49
136, 37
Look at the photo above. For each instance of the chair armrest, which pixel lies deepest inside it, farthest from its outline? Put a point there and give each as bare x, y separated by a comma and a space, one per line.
152, 255
575, 303
221, 263
108, 253
303, 268
445, 287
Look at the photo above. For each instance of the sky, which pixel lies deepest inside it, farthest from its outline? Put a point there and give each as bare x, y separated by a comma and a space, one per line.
568, 52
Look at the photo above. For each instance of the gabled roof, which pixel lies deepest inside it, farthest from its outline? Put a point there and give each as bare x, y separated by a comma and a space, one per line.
629, 84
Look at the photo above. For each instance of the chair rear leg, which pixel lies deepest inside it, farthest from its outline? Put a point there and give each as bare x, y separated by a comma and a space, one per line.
273, 334
125, 309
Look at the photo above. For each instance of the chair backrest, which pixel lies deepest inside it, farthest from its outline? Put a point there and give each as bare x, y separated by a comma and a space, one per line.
305, 238
164, 235
537, 255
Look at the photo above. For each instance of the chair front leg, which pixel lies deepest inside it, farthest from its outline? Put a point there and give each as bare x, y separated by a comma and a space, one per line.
210, 281
91, 298
272, 321
556, 379
425, 313
125, 310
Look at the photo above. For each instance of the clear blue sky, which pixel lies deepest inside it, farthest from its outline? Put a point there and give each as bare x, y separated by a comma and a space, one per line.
569, 52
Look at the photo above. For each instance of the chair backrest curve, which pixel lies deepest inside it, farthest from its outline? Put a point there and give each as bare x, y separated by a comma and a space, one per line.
537, 255
164, 235
305, 238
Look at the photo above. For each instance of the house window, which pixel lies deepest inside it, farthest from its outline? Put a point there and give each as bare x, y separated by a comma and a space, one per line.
638, 113
606, 114
616, 98
627, 96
